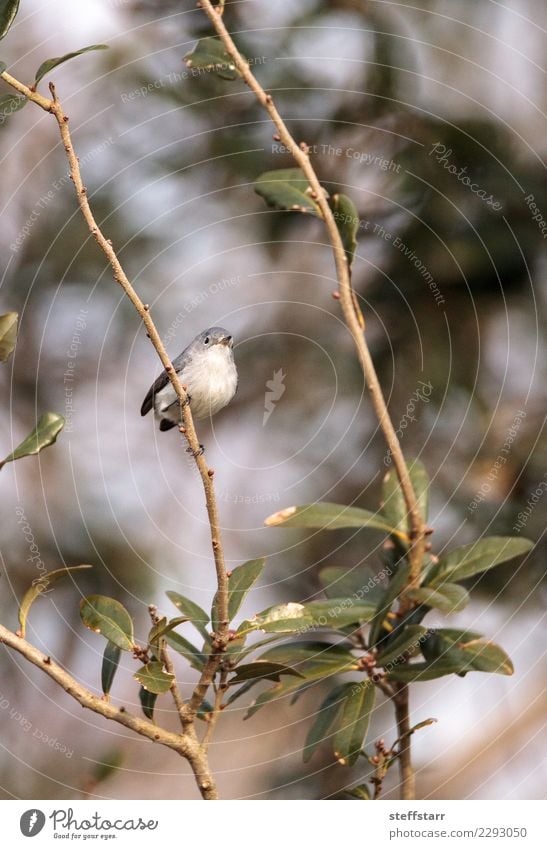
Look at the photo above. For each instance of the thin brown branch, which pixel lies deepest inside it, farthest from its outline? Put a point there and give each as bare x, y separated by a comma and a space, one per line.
301, 156
406, 772
186, 744
188, 429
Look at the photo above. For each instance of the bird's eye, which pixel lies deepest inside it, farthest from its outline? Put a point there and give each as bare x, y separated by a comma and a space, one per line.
206, 340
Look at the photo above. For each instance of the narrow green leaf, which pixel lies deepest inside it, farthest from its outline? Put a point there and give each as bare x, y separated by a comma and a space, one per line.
8, 334
153, 677
8, 11
148, 702
39, 586
360, 793
347, 220
330, 517
409, 638
281, 619
448, 597
185, 648
397, 583
287, 189
9, 104
469, 560
3, 67
108, 617
394, 505
50, 64
315, 660
262, 670
324, 720
45, 433
111, 659
163, 627
339, 612
354, 721
239, 583
448, 655
193, 611
209, 55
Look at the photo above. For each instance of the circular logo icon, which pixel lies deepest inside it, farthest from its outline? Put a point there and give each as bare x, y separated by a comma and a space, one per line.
32, 822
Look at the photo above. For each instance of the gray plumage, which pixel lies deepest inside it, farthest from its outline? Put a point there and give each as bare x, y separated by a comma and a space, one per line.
207, 368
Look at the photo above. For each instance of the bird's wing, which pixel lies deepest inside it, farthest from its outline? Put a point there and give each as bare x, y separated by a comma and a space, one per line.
160, 382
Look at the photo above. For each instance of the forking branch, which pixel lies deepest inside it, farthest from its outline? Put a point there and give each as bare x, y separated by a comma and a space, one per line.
186, 711
416, 525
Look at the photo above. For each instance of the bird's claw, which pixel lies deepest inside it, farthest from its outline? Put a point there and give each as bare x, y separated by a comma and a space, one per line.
197, 453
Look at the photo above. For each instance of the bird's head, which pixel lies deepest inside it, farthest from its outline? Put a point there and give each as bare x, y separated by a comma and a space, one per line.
214, 336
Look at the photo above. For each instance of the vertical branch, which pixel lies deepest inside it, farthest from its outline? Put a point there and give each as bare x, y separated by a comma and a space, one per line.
301, 156
403, 729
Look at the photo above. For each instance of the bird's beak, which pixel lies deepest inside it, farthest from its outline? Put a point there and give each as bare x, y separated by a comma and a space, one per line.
228, 341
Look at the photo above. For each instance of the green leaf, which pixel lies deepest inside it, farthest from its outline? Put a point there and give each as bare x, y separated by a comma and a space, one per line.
394, 505
108, 617
209, 55
477, 557
315, 660
354, 721
281, 619
3, 67
193, 611
50, 64
163, 627
448, 597
45, 433
239, 583
330, 517
9, 104
449, 651
347, 220
324, 720
361, 793
39, 585
339, 612
262, 669
185, 648
8, 11
287, 189
8, 334
148, 702
409, 638
397, 583
111, 659
153, 677
359, 583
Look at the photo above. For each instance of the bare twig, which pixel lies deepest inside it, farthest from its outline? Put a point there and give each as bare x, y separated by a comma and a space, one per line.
186, 744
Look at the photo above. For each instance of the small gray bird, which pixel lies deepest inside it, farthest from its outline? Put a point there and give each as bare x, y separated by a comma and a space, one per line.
207, 368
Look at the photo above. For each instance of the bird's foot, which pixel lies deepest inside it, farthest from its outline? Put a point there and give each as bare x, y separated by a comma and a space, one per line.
197, 453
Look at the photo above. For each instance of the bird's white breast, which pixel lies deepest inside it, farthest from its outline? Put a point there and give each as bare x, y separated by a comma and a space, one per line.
211, 379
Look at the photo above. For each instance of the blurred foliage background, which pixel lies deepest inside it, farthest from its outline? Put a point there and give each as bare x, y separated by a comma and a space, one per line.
396, 99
